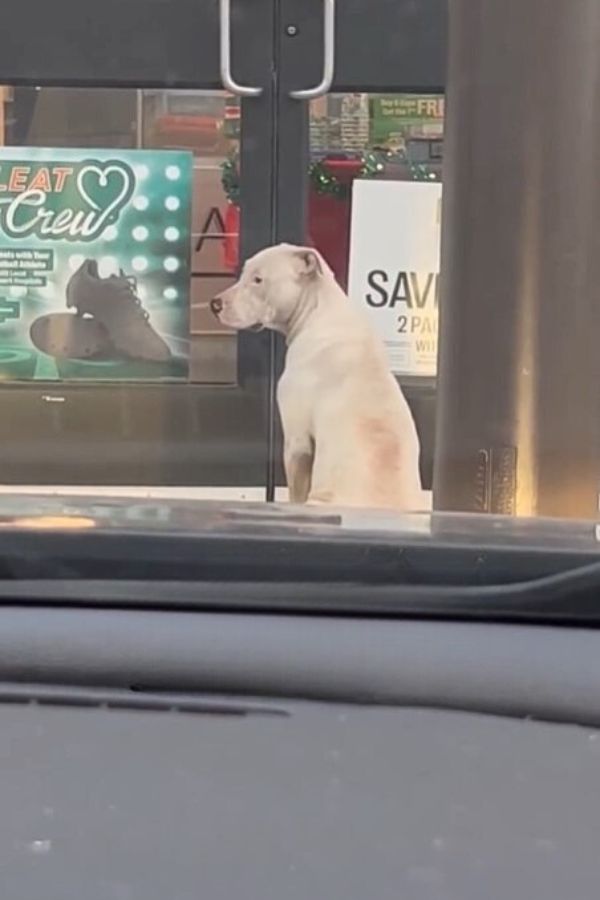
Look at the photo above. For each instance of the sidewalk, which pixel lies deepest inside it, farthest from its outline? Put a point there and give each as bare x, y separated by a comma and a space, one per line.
248, 495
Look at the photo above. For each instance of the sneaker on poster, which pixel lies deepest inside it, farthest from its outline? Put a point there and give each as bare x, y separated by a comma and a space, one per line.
114, 303
67, 336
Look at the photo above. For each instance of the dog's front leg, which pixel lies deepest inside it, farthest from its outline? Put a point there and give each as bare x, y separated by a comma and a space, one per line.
298, 459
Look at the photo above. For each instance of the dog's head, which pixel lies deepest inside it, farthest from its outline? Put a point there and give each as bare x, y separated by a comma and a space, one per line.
272, 289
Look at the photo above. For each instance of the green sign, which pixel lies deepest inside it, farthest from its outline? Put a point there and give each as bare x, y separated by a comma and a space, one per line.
394, 115
94, 264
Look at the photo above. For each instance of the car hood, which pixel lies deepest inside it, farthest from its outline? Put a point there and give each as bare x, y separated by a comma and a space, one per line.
200, 518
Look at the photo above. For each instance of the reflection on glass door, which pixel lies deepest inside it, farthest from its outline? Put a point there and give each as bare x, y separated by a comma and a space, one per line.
208, 124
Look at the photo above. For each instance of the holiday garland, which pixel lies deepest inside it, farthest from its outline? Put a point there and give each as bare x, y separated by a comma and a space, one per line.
230, 179
323, 181
421, 172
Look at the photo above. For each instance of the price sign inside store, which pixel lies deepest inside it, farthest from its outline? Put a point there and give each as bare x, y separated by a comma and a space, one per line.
394, 268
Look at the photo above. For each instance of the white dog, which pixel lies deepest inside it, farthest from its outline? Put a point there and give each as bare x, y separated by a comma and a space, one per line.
349, 436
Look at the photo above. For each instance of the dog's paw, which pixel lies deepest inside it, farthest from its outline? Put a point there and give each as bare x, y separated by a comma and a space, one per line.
322, 498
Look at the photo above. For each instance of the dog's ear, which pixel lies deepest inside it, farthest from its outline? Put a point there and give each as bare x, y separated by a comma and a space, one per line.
312, 265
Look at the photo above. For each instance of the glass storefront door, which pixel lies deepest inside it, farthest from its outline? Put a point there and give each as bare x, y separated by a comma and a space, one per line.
361, 168
97, 86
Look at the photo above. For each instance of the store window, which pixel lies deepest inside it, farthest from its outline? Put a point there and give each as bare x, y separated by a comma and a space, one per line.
374, 212
203, 125
391, 138
375, 137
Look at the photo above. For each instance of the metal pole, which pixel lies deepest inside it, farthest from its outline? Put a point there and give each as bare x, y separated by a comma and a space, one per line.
518, 427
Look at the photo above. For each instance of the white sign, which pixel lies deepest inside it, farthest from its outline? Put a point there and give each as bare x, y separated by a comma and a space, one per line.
394, 267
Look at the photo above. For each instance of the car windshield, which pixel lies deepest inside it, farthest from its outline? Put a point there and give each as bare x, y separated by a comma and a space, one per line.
313, 259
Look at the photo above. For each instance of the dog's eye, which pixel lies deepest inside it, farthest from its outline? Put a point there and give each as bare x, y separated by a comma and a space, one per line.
257, 279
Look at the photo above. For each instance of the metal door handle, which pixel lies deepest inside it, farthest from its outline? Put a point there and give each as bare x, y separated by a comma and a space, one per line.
324, 85
227, 79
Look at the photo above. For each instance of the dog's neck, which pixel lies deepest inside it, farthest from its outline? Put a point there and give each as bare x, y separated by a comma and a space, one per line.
305, 307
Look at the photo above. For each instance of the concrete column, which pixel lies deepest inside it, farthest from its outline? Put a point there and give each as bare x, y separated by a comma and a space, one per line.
518, 427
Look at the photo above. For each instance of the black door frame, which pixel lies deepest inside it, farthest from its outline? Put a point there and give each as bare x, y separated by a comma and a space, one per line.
160, 44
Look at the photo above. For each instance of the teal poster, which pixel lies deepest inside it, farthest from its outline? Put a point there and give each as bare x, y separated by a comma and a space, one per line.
94, 264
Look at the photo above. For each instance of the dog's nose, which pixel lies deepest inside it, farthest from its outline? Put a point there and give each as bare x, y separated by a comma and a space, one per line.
216, 305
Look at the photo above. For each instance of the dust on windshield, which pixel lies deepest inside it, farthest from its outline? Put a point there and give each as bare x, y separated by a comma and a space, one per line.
344, 261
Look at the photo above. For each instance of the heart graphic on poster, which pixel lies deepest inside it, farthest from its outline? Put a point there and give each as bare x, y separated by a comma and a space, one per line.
105, 189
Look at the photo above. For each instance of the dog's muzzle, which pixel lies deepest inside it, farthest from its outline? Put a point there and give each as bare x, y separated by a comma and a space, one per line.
216, 306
